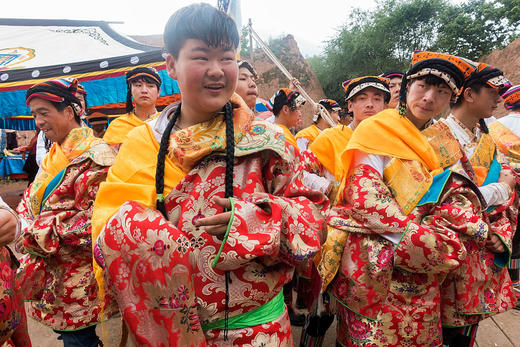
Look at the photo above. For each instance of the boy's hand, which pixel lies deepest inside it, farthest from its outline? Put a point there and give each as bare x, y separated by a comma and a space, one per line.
508, 178
217, 224
495, 245
7, 227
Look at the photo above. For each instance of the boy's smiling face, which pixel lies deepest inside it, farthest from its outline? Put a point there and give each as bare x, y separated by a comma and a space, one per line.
207, 76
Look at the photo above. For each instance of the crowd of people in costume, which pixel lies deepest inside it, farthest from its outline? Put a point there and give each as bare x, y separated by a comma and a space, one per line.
197, 224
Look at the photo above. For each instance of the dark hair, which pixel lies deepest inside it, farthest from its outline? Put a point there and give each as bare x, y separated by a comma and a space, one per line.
431, 80
203, 22
281, 100
86, 103
474, 85
477, 86
146, 79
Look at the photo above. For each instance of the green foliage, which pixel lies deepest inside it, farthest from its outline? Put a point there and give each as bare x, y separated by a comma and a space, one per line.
372, 42
244, 43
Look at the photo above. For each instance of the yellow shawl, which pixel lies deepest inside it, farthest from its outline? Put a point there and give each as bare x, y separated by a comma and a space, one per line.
311, 132
77, 141
289, 137
329, 145
389, 134
121, 126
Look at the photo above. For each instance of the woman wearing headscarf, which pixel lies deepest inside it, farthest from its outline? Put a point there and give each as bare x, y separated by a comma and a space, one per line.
143, 89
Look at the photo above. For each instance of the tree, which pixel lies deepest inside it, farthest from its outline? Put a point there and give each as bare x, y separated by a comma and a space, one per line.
372, 42
244, 43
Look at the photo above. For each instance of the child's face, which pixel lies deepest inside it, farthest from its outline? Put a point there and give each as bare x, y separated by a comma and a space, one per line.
207, 76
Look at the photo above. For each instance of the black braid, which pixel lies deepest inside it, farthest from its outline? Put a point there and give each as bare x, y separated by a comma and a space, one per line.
129, 105
161, 157
230, 149
228, 193
483, 126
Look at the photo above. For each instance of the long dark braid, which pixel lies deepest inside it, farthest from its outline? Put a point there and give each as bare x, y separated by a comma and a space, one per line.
483, 126
228, 192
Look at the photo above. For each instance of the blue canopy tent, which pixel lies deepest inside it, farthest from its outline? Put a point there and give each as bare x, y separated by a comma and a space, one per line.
34, 50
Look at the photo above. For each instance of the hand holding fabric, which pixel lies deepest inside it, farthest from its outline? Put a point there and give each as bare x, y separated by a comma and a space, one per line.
495, 244
217, 225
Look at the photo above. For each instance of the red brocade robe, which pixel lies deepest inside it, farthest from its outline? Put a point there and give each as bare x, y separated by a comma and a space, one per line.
56, 275
481, 286
13, 323
277, 225
390, 294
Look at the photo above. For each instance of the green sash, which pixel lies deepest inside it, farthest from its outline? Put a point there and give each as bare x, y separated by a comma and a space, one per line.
260, 315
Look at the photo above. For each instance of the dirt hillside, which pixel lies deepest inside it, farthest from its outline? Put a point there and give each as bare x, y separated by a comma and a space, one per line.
507, 60
270, 78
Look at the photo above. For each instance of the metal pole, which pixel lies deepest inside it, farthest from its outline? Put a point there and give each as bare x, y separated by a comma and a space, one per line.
250, 25
317, 107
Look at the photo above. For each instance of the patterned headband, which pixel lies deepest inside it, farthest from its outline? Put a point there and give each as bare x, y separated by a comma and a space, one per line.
245, 64
490, 75
512, 97
356, 85
149, 72
58, 90
392, 74
292, 97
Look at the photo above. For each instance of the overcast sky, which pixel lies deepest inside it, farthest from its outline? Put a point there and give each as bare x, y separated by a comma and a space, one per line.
311, 22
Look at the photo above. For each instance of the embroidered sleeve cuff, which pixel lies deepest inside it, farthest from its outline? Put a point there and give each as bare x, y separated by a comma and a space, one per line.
502, 259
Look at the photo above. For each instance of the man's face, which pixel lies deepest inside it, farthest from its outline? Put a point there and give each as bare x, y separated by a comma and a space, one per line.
246, 87
207, 76
426, 101
144, 93
485, 102
366, 103
55, 124
395, 88
294, 116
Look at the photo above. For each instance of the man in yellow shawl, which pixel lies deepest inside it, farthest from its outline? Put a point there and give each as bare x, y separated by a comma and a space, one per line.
56, 271
365, 96
143, 87
398, 216
286, 106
